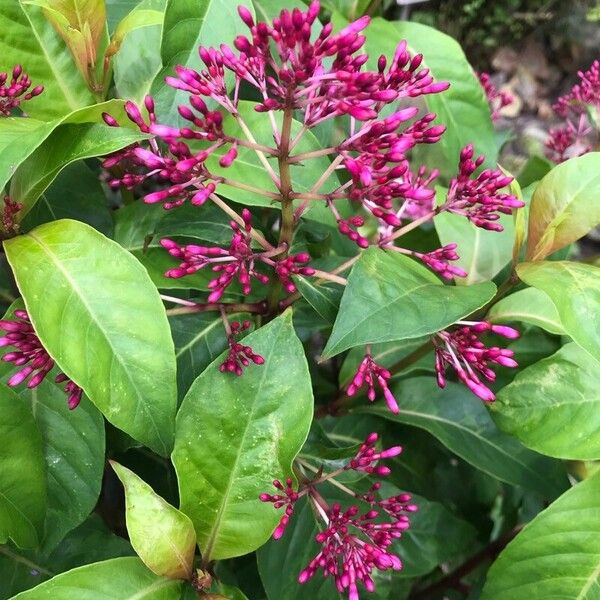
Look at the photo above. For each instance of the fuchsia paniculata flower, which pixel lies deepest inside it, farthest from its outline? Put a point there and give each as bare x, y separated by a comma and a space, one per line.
497, 99
32, 356
463, 351
13, 91
353, 541
239, 355
580, 109
9, 215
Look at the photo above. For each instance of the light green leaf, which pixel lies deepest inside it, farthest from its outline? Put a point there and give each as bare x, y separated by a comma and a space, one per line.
557, 555
162, 536
529, 306
553, 405
20, 137
28, 39
574, 288
324, 298
189, 24
232, 440
461, 422
391, 297
67, 144
22, 473
98, 314
565, 206
136, 19
117, 579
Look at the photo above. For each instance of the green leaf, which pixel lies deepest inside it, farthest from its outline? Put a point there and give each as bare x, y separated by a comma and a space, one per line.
529, 306
22, 473
574, 288
553, 406
459, 107
565, 206
20, 137
90, 542
557, 555
534, 169
482, 253
29, 39
117, 579
189, 24
82, 26
77, 194
67, 144
461, 422
163, 537
391, 297
325, 299
232, 440
98, 314
138, 61
136, 19
73, 443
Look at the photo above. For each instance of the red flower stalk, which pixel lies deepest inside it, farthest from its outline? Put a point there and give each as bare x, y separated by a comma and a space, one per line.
462, 350
32, 356
497, 99
369, 373
14, 91
239, 355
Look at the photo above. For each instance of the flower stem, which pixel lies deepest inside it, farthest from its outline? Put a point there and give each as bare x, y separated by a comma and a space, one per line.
251, 307
330, 277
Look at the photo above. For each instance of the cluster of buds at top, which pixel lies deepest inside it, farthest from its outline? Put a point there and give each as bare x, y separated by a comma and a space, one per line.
309, 73
31, 355
10, 210
13, 91
497, 99
462, 350
580, 109
353, 543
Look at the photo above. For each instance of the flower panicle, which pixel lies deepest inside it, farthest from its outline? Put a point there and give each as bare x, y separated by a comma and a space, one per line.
14, 88
239, 355
497, 99
31, 355
463, 351
368, 374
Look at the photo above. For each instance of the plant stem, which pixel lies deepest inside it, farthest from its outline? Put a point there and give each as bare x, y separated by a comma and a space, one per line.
250, 188
314, 154
20, 559
330, 277
453, 579
412, 225
251, 307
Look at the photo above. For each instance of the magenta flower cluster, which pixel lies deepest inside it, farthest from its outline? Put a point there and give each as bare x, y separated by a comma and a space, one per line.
14, 90
497, 99
580, 111
304, 70
353, 541
31, 355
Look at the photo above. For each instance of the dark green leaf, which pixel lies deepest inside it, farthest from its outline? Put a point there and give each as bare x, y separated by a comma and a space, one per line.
112, 339
22, 473
162, 536
557, 555
574, 288
117, 579
391, 297
553, 405
461, 422
324, 298
75, 194
565, 206
232, 440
